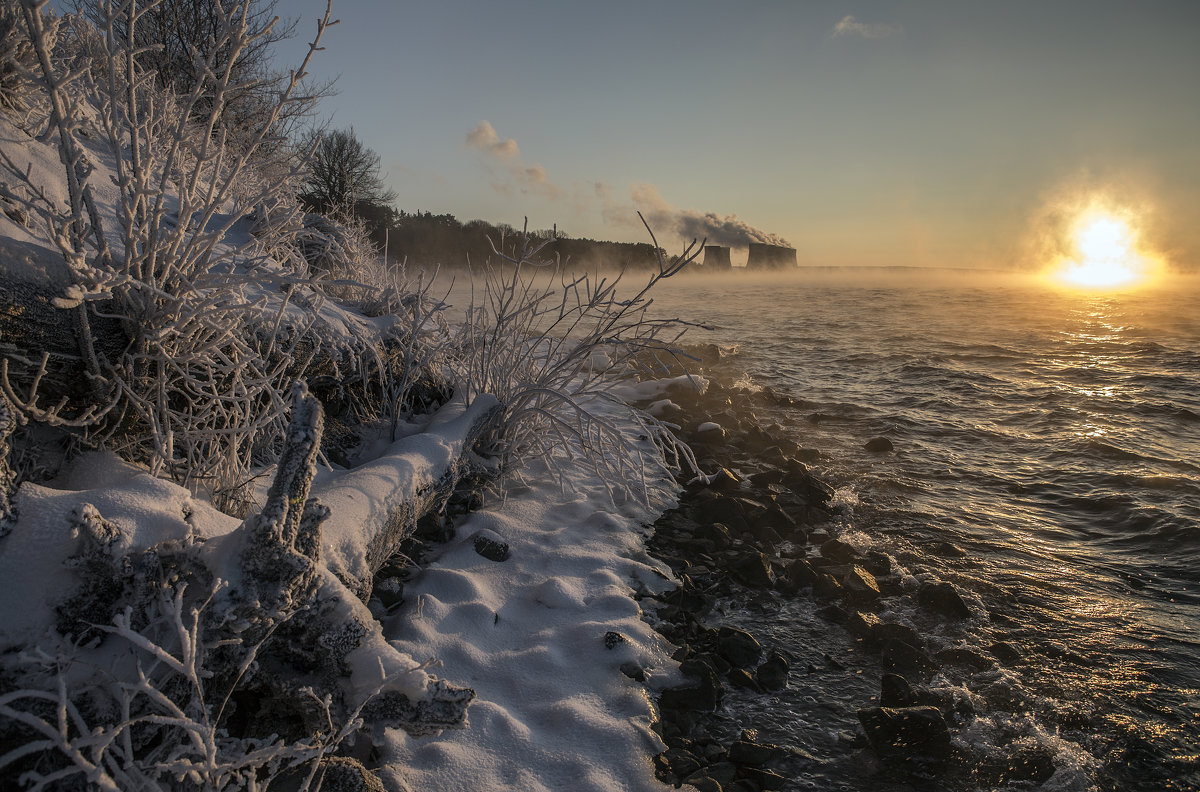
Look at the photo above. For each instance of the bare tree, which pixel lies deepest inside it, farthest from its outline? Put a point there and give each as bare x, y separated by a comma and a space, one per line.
344, 176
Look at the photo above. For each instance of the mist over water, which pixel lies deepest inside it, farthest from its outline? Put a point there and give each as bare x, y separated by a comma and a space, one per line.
1047, 461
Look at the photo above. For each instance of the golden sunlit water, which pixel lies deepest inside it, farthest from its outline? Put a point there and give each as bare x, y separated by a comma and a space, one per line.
1047, 432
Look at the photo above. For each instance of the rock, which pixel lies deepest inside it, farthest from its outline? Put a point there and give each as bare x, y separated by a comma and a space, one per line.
772, 674
896, 692
613, 639
827, 586
863, 625
740, 678
838, 552
904, 658
739, 647
1006, 653
765, 779
879, 445
943, 598
888, 631
754, 570
489, 545
860, 585
799, 574
906, 733
724, 480
717, 533
633, 671
753, 754
965, 657
389, 590
704, 696
704, 783
721, 772
878, 563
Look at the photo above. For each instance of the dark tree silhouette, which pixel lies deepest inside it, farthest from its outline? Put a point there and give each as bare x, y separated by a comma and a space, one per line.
344, 178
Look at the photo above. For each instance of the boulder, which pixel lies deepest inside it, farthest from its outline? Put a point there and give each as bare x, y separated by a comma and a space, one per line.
754, 570
772, 673
860, 585
906, 733
879, 445
943, 598
739, 647
491, 546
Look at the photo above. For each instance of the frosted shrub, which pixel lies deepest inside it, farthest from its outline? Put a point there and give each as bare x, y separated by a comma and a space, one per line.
550, 346
209, 348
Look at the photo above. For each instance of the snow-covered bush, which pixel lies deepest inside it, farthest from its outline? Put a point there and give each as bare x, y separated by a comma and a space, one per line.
550, 345
16, 57
208, 354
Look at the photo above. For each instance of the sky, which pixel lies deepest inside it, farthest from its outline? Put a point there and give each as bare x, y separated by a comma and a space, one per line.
861, 133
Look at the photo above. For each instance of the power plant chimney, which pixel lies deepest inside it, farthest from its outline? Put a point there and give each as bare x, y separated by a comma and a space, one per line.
770, 257
716, 258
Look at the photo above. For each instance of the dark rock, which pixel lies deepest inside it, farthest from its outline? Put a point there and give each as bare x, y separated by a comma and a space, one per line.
739, 647
904, 658
943, 598
721, 772
704, 782
1006, 653
724, 480
827, 586
906, 733
698, 697
765, 779
753, 754
754, 570
965, 657
799, 574
613, 639
863, 625
717, 533
740, 678
838, 552
633, 671
896, 692
489, 545
389, 590
878, 445
878, 563
683, 762
860, 585
890, 631
772, 673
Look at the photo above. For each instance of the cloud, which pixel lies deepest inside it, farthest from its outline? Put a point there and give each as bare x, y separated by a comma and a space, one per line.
517, 176
687, 224
484, 138
849, 26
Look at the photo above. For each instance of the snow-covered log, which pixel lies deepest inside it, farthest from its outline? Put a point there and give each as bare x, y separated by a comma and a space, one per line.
223, 636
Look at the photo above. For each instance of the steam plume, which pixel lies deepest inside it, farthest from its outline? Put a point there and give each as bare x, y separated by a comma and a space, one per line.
726, 230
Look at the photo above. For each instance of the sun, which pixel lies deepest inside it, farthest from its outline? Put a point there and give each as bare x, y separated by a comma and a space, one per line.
1105, 253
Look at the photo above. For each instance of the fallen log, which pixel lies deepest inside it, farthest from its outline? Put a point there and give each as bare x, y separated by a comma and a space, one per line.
252, 633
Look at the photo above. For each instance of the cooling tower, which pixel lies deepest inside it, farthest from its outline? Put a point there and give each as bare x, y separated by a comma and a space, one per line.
770, 257
716, 258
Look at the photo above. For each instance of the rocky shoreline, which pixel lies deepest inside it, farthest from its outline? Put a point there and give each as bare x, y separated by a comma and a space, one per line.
763, 524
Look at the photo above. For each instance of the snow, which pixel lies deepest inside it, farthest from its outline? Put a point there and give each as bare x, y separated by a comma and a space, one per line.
554, 711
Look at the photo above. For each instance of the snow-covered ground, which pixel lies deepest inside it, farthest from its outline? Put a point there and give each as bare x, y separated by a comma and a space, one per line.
533, 635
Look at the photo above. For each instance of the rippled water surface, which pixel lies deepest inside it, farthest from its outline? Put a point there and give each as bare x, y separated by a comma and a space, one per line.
1053, 438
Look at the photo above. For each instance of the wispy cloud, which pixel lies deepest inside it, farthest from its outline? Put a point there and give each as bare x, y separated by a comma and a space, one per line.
484, 138
517, 176
850, 26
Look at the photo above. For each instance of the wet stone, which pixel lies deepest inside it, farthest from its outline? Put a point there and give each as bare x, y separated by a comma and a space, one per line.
863, 625
772, 673
890, 631
904, 658
754, 570
943, 598
879, 445
633, 671
965, 657
740, 678
838, 552
1005, 652
765, 779
894, 691
739, 647
906, 733
860, 585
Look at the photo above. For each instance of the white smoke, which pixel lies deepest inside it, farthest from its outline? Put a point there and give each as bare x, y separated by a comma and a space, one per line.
849, 26
517, 176
687, 224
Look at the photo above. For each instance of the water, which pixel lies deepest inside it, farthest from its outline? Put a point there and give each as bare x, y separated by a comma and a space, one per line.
1051, 436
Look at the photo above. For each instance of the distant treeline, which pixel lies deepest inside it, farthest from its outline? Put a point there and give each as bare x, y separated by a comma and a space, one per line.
427, 238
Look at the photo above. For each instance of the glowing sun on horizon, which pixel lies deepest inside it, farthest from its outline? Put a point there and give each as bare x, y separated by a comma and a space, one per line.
1106, 253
